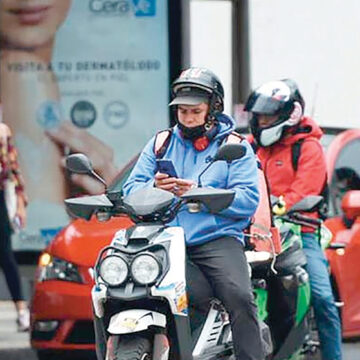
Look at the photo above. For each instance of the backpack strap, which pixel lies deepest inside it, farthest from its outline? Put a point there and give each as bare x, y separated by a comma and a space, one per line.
253, 144
295, 153
162, 141
234, 138
163, 137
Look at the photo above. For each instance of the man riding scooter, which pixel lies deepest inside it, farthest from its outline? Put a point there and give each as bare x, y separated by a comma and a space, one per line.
293, 161
215, 242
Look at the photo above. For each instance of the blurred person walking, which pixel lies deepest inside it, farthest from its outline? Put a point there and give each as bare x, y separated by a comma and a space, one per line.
12, 217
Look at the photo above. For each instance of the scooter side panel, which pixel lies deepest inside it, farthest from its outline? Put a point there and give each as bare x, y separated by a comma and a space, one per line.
173, 286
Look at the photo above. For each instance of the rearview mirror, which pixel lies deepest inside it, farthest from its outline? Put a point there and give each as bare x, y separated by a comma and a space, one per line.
79, 164
230, 152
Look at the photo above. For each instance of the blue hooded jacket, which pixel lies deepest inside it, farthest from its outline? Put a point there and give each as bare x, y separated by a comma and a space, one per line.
240, 175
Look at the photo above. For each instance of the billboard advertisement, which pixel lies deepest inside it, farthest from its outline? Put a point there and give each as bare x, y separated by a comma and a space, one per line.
87, 76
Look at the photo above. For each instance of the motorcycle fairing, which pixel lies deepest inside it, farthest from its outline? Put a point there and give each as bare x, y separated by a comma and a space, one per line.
135, 320
211, 331
144, 231
98, 295
172, 287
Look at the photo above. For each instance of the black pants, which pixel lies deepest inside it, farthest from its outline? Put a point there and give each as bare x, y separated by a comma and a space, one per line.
7, 259
219, 269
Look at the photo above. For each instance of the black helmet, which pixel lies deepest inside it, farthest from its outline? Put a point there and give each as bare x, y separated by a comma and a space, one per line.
196, 85
281, 98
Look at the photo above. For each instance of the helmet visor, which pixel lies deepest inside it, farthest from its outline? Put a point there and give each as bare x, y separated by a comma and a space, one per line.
263, 104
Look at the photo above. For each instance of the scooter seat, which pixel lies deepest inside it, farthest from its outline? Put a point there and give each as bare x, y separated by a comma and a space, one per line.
258, 256
258, 259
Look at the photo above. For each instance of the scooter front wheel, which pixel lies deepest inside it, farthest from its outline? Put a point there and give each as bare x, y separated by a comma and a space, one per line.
129, 347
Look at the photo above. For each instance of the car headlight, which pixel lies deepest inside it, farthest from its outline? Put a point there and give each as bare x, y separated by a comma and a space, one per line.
145, 269
113, 270
52, 268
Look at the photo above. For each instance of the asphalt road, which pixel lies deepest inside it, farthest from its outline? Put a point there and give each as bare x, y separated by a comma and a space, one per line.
15, 346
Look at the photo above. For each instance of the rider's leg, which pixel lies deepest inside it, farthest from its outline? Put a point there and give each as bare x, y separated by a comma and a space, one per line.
326, 313
284, 297
224, 264
199, 293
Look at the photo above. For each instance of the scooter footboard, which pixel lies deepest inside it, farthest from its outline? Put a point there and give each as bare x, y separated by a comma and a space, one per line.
135, 320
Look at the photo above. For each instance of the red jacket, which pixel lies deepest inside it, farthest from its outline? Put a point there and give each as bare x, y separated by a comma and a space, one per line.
310, 177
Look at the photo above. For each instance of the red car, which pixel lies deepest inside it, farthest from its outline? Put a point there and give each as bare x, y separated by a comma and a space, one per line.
61, 308
344, 181
61, 312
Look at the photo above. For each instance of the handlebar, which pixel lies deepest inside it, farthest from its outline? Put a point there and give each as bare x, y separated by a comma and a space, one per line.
308, 219
303, 220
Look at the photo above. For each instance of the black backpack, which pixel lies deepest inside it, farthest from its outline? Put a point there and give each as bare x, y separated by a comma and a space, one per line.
295, 155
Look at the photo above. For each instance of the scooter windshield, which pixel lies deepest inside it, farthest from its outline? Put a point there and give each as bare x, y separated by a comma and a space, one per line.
147, 201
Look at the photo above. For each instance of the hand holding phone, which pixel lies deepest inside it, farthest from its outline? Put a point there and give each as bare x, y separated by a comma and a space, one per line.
166, 166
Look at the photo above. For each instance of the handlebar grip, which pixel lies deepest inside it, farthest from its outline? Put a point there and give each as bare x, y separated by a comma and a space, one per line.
302, 223
307, 219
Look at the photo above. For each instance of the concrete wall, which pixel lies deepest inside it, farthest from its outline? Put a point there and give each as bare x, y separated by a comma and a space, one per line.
317, 44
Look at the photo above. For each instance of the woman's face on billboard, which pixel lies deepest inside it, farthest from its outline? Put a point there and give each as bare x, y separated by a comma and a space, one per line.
29, 24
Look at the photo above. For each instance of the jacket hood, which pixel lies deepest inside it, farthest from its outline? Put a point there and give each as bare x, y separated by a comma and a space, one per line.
306, 128
226, 123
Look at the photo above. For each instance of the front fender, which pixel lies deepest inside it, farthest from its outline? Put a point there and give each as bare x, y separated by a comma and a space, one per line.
135, 320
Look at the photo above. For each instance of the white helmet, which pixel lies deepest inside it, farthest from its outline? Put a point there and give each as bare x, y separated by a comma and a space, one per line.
280, 98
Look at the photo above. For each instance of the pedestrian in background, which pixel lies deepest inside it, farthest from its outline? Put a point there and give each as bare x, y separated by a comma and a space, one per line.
11, 190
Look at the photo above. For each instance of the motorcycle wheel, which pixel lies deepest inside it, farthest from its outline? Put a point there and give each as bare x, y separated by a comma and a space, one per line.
315, 354
69, 355
129, 347
46, 355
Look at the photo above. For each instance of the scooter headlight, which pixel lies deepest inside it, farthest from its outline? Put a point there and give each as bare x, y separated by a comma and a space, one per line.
145, 269
114, 270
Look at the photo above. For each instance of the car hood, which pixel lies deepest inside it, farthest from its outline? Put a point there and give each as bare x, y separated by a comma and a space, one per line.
81, 240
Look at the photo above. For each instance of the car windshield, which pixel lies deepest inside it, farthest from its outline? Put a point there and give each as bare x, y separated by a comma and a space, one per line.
346, 175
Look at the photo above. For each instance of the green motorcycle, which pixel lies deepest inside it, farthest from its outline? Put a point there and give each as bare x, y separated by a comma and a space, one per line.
282, 288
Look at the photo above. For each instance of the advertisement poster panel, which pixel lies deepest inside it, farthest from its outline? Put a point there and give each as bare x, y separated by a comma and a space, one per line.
86, 76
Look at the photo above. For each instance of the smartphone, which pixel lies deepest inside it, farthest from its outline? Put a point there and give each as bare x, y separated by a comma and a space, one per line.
166, 166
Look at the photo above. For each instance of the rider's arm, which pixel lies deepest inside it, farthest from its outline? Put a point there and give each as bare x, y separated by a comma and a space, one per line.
243, 178
143, 172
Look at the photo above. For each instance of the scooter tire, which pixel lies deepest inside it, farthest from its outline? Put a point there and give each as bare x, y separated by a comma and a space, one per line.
130, 347
315, 356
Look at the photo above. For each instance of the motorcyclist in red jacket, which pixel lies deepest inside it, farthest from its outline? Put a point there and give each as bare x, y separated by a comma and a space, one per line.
277, 123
